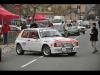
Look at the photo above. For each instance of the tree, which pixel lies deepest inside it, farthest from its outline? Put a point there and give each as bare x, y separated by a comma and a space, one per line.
91, 16
97, 7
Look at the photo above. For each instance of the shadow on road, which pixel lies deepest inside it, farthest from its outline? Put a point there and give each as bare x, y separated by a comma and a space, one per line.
53, 55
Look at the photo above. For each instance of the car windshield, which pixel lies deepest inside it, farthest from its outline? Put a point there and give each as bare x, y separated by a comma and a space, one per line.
42, 24
57, 21
59, 27
49, 33
74, 27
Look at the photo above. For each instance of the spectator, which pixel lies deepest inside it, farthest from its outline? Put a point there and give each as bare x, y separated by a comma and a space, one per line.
50, 24
4, 30
65, 27
34, 25
23, 26
94, 37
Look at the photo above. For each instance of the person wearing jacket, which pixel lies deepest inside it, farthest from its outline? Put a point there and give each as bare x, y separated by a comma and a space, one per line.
23, 25
33, 25
94, 37
4, 30
50, 24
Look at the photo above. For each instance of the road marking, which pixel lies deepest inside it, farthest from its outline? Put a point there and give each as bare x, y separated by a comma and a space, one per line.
31, 62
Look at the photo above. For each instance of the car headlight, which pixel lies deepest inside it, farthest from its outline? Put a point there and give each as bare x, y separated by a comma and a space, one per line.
57, 44
75, 44
67, 45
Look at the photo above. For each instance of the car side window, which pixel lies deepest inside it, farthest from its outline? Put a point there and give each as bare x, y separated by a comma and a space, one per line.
33, 34
25, 34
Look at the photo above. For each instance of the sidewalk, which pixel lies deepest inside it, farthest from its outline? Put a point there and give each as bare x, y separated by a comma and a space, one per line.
7, 48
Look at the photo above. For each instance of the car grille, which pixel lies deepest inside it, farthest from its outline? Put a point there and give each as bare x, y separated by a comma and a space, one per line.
69, 45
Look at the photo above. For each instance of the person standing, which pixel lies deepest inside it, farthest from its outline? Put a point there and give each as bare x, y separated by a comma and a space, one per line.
50, 25
94, 37
4, 30
23, 25
33, 25
99, 23
65, 28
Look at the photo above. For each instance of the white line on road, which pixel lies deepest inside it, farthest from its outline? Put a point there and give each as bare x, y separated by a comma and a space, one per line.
31, 62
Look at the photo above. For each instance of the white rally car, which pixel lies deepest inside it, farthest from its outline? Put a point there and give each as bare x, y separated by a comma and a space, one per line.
45, 40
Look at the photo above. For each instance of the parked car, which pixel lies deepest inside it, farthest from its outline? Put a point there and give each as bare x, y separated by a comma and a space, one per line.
58, 17
73, 30
46, 41
80, 22
13, 28
85, 24
40, 23
58, 22
82, 29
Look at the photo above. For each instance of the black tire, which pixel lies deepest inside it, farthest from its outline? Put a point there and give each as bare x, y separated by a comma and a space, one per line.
46, 51
72, 54
78, 34
83, 32
68, 34
19, 50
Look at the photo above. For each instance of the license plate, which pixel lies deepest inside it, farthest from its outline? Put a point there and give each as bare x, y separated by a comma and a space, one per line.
68, 50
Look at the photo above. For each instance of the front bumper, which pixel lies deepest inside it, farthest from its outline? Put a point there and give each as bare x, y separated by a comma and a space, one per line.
64, 50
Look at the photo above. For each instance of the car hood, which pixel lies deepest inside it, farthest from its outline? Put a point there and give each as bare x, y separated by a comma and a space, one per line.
58, 39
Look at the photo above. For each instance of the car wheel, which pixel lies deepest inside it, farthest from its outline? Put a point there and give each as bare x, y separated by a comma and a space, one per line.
46, 51
78, 33
68, 34
19, 50
72, 54
83, 32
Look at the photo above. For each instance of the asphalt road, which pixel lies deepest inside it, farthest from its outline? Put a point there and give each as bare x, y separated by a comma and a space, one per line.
83, 60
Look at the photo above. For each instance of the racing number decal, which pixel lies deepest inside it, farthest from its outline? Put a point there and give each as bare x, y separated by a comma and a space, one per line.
24, 43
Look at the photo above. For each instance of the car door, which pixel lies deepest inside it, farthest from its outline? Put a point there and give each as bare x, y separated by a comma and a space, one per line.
25, 40
34, 42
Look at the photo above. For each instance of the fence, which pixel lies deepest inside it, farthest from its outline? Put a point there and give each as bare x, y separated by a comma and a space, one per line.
0, 54
12, 35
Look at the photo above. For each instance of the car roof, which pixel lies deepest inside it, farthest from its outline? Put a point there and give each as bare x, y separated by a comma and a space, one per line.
38, 29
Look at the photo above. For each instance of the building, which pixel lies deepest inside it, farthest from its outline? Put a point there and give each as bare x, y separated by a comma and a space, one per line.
75, 11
